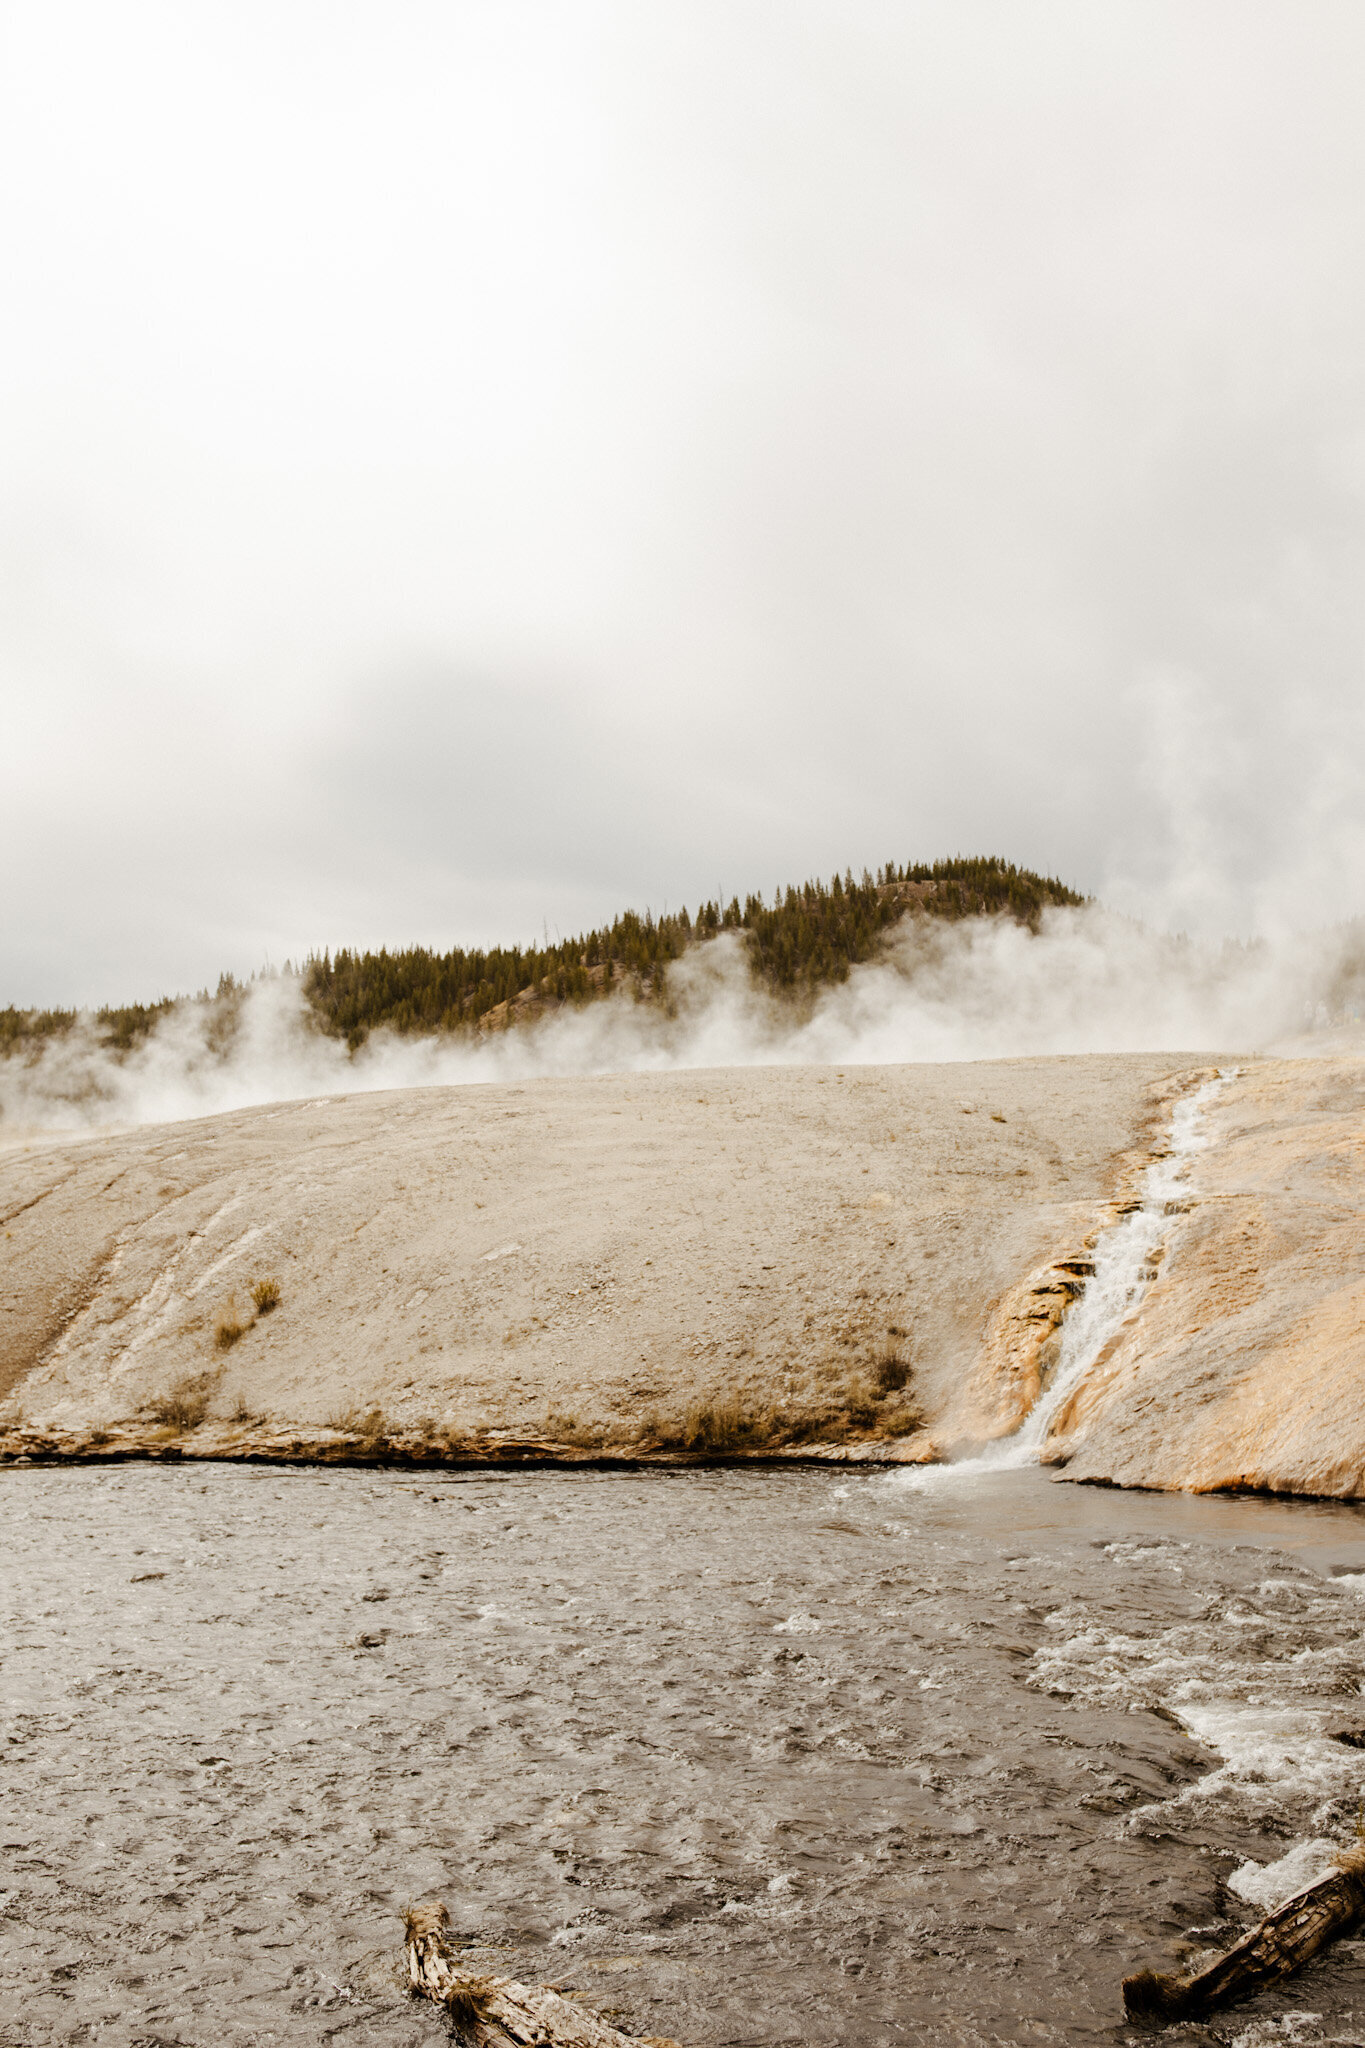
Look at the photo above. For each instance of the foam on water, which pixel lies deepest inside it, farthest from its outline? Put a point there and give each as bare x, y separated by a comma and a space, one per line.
1268, 1885
1265, 1679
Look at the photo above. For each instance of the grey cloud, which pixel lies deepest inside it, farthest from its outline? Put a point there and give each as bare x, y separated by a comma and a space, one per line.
490, 464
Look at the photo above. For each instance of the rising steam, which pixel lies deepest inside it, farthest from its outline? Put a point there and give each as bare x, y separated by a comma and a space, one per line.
986, 988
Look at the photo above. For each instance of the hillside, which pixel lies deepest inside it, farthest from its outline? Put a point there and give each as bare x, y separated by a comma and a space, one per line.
1243, 1369
758, 1259
806, 938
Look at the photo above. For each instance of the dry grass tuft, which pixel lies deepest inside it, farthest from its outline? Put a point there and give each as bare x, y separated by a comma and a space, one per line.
229, 1328
265, 1295
184, 1406
860, 1403
567, 1429
467, 2006
890, 1371
901, 1420
715, 1427
370, 1428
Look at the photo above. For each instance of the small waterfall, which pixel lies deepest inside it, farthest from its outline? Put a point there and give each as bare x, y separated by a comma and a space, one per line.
1125, 1262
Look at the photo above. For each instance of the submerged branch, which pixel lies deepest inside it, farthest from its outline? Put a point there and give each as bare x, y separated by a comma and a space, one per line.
491, 2012
1277, 1946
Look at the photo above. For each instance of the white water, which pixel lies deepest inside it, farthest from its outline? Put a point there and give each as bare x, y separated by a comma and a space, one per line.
1125, 1263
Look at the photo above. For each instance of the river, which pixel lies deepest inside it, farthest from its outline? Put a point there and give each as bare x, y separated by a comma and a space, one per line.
739, 1756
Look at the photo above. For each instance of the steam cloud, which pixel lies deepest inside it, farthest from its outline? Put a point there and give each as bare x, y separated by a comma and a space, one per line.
1087, 982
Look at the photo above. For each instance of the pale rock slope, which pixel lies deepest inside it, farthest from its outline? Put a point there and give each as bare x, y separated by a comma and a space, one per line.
583, 1261
1245, 1365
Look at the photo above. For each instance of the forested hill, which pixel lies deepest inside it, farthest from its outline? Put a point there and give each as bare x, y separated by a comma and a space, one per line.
804, 939
807, 937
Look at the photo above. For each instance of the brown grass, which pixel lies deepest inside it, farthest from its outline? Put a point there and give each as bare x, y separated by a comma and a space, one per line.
567, 1429
371, 1427
466, 2005
890, 1371
860, 1403
723, 1424
229, 1328
265, 1295
183, 1406
901, 1420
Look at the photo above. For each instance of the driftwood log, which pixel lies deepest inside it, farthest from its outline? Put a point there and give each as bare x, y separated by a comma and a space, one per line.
490, 2012
1281, 1943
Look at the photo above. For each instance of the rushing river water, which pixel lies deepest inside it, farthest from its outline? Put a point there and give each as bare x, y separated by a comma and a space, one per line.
740, 1756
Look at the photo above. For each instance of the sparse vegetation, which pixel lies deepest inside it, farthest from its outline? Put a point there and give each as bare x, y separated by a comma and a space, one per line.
860, 1403
369, 1426
897, 1419
265, 1295
184, 1406
228, 1328
723, 1424
889, 1371
835, 1396
567, 1429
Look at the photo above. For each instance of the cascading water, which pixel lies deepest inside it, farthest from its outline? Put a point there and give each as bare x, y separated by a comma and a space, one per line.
1125, 1262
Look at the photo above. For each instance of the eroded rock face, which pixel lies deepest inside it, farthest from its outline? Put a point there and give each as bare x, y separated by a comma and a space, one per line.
577, 1261
1245, 1366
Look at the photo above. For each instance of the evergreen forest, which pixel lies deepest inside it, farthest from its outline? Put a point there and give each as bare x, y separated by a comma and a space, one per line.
807, 937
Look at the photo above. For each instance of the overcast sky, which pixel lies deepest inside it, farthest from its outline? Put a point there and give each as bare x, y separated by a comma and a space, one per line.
473, 467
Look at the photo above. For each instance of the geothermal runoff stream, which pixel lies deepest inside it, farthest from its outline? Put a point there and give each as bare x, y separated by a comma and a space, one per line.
734, 1755
1125, 1260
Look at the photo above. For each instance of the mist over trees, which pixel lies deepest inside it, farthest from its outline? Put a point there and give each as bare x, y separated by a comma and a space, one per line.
806, 938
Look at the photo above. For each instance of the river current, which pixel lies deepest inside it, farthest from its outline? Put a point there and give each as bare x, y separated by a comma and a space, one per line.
737, 1756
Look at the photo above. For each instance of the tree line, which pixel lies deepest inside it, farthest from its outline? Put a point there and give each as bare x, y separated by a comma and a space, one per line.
807, 937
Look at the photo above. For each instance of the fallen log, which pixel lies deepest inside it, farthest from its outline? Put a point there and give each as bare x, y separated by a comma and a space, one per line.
1280, 1944
490, 2012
